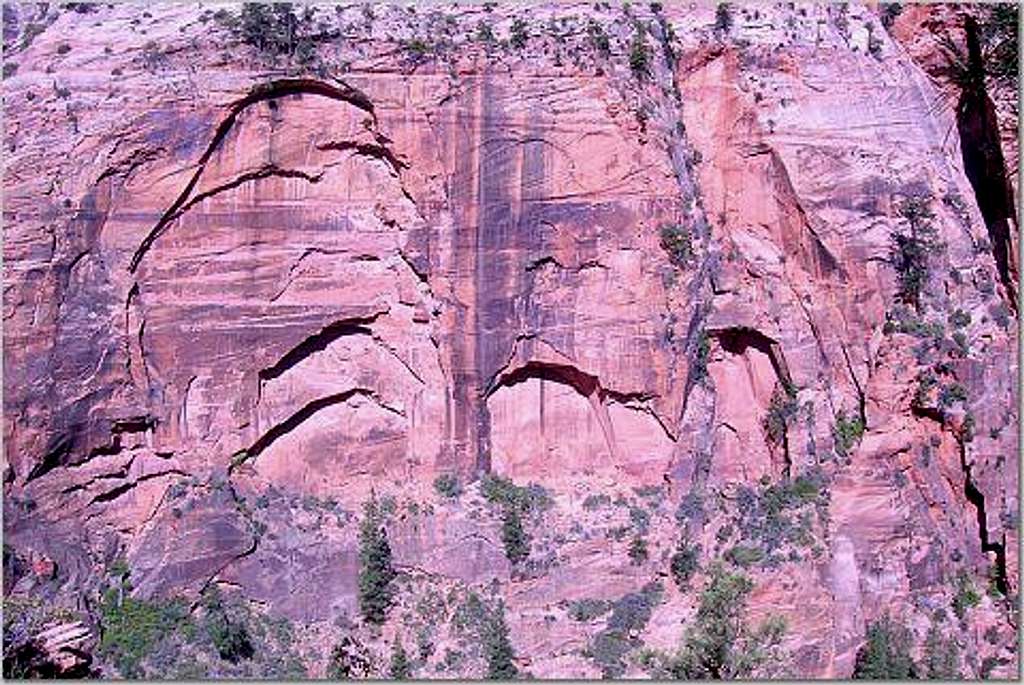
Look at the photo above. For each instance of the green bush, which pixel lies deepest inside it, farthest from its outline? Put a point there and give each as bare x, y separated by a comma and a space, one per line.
505, 493
941, 656
630, 615
782, 410
599, 38
448, 485
274, 29
723, 17
498, 649
400, 668
745, 556
638, 550
640, 54
229, 636
676, 241
519, 34
846, 433
349, 660
718, 644
584, 610
513, 537
375, 570
886, 654
684, 563
132, 628
966, 596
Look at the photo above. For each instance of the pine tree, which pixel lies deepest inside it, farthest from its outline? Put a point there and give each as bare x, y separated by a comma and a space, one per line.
497, 647
941, 656
400, 668
375, 570
886, 654
517, 545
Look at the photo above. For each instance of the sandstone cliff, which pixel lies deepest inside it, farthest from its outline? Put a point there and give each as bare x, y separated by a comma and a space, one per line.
738, 281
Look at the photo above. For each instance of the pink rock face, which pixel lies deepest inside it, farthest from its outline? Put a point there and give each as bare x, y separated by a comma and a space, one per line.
619, 287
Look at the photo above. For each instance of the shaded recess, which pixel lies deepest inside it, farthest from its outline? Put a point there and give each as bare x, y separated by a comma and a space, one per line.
737, 340
984, 163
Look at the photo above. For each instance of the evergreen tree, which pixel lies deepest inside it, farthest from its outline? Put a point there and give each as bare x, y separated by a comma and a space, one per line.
497, 647
400, 668
886, 654
375, 570
941, 656
719, 644
517, 545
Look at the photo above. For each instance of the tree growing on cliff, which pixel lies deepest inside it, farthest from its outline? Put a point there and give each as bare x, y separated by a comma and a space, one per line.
941, 656
886, 654
912, 249
400, 668
375, 570
719, 645
513, 537
497, 647
640, 53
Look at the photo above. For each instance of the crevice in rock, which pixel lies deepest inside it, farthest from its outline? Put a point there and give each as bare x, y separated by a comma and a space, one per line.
268, 91
318, 342
114, 493
55, 457
373, 150
984, 163
977, 498
281, 429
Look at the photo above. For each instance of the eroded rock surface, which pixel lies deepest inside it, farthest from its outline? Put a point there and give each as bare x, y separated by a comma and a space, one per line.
245, 292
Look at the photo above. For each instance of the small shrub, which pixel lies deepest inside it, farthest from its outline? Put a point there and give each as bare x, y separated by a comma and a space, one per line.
889, 13
63, 49
592, 502
966, 596
640, 54
676, 241
702, 352
448, 485
513, 537
781, 411
959, 319
229, 636
941, 656
349, 660
846, 433
638, 550
951, 394
400, 668
599, 38
723, 17
484, 33
519, 35
684, 563
584, 610
886, 654
744, 556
